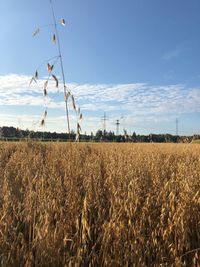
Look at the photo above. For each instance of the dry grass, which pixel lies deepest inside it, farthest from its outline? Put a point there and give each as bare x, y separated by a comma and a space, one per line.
99, 205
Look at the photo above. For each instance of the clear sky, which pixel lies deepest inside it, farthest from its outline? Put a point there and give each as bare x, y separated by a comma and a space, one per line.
133, 58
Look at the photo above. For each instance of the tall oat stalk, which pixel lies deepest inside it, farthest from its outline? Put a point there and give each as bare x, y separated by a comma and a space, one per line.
50, 67
61, 64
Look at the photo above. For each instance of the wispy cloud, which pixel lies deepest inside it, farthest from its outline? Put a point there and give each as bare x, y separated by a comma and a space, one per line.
176, 52
137, 102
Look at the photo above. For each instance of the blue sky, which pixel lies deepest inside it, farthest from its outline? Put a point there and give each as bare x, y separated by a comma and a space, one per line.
132, 58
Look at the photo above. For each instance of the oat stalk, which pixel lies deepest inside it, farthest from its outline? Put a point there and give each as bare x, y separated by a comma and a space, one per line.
61, 64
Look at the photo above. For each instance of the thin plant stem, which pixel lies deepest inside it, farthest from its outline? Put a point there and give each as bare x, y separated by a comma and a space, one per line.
61, 64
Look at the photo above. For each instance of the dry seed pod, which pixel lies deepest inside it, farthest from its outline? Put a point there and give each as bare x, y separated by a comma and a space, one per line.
77, 137
42, 122
45, 84
43, 119
73, 102
36, 75
62, 21
78, 127
45, 92
55, 80
67, 95
49, 67
54, 39
78, 132
36, 32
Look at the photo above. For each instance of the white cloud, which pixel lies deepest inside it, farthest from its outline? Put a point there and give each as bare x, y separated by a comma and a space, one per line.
137, 101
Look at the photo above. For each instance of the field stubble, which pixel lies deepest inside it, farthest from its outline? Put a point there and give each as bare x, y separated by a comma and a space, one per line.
99, 204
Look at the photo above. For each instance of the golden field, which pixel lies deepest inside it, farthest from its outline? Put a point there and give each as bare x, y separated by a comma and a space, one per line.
99, 204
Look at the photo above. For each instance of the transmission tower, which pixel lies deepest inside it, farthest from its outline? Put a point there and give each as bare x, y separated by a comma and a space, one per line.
104, 119
117, 127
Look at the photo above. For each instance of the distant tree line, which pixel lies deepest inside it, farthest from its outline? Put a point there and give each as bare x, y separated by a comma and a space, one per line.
12, 133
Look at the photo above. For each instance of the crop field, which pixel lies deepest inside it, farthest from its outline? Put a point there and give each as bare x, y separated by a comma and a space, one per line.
99, 204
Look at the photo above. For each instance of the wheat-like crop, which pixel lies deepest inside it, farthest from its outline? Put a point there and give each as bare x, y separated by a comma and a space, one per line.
99, 205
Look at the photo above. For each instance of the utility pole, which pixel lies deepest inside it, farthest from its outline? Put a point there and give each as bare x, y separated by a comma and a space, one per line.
117, 127
104, 119
176, 127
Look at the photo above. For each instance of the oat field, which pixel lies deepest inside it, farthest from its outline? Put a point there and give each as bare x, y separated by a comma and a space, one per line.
99, 204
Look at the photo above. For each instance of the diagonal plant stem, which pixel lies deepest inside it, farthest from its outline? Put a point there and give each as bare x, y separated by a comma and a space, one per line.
62, 67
